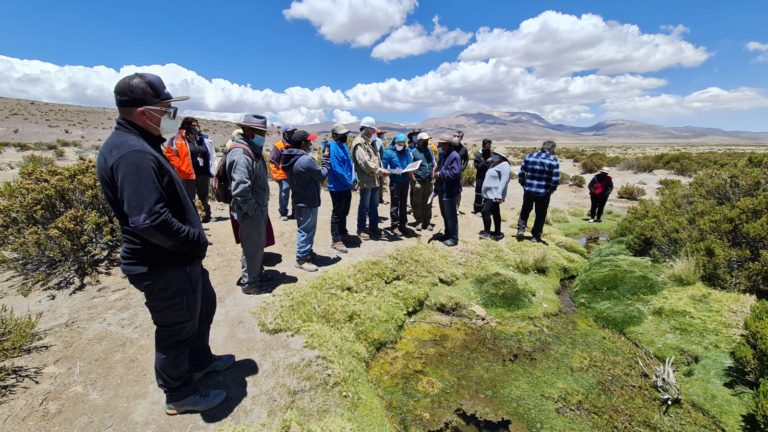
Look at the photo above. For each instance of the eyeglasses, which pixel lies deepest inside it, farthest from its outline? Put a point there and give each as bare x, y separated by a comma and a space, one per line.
170, 112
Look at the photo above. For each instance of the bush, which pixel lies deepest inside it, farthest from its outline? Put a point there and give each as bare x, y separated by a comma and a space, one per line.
592, 162
565, 178
17, 333
468, 176
761, 405
751, 353
631, 192
578, 181
56, 226
720, 217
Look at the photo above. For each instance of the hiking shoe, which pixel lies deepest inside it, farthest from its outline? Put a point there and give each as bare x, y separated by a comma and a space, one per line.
264, 276
306, 265
537, 239
396, 231
520, 234
485, 235
375, 235
450, 243
498, 237
590, 220
219, 363
199, 402
598, 221
254, 289
363, 235
283, 218
339, 246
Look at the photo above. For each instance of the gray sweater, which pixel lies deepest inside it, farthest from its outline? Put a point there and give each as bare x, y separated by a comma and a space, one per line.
248, 180
496, 181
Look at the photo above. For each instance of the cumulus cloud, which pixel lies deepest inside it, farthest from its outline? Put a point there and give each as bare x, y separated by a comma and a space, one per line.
761, 48
411, 40
712, 99
358, 22
341, 116
554, 43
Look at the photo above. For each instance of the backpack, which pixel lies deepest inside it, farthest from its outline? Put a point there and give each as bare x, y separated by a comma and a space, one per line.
222, 192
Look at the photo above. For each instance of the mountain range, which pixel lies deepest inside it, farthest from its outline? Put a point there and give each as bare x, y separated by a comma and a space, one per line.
525, 126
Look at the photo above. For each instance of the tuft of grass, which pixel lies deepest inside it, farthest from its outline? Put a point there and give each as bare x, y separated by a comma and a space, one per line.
684, 270
17, 333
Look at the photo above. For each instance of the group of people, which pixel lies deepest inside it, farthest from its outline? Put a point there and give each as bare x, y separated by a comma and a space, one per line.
151, 168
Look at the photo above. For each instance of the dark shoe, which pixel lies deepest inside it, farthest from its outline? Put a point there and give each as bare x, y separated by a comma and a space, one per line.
264, 277
413, 224
199, 402
396, 231
376, 234
219, 363
598, 221
450, 243
255, 290
485, 235
240, 282
291, 216
339, 246
206, 219
520, 234
498, 237
306, 265
537, 239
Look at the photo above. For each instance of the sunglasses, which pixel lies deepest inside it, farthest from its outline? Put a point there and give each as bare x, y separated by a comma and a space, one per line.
170, 112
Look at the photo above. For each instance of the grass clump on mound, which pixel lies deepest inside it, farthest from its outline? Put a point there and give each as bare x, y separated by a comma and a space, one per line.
499, 289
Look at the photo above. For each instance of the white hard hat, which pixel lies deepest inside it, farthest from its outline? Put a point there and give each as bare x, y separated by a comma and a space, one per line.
422, 136
368, 122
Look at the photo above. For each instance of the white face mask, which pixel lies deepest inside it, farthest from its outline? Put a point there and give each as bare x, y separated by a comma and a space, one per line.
399, 147
168, 126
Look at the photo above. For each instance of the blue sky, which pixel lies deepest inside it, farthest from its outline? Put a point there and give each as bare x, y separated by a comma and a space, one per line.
576, 62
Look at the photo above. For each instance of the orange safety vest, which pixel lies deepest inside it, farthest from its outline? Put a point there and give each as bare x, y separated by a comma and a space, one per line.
277, 169
179, 157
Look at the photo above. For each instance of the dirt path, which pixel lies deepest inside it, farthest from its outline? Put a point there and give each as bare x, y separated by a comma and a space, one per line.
97, 353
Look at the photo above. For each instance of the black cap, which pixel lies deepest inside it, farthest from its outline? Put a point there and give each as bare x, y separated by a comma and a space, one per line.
142, 89
301, 136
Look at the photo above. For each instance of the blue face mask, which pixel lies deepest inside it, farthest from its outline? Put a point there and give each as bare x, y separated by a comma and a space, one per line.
257, 142
495, 157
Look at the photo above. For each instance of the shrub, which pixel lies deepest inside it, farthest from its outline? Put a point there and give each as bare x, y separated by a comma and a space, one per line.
630, 192
684, 270
761, 405
17, 333
592, 162
58, 153
720, 217
468, 176
578, 181
751, 353
56, 226
565, 178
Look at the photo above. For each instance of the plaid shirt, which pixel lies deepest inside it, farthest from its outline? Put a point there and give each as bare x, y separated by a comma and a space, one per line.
540, 173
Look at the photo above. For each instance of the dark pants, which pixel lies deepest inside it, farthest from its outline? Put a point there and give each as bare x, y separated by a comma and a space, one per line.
450, 218
422, 208
541, 204
341, 203
182, 303
491, 209
190, 187
598, 205
203, 186
478, 204
398, 201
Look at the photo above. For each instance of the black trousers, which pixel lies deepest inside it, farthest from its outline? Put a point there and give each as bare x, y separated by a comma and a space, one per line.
398, 210
478, 204
491, 209
182, 303
541, 204
203, 186
341, 202
598, 205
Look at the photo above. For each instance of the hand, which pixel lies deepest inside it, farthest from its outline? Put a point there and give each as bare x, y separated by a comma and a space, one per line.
488, 160
386, 173
327, 152
498, 200
417, 185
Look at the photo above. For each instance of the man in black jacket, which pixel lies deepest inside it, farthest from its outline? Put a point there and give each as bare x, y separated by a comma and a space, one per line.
482, 163
464, 156
163, 242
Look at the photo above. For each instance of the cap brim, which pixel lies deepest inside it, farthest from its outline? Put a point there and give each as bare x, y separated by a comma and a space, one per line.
341, 132
177, 99
311, 137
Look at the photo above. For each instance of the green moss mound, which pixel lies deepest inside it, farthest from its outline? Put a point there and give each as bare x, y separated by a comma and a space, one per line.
502, 290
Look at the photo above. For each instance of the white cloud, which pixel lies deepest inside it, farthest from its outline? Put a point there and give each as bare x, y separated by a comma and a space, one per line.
559, 44
413, 40
712, 99
761, 48
358, 22
341, 116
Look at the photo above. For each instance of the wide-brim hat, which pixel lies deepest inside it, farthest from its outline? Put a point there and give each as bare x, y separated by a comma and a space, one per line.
604, 170
501, 151
445, 138
254, 121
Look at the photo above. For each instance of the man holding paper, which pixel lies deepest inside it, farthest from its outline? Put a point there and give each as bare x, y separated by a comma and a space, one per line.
398, 161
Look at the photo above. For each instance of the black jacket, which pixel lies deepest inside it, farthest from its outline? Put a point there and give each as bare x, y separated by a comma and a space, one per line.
463, 155
160, 225
481, 165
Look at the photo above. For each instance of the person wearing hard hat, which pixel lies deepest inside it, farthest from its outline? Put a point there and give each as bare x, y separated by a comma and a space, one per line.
369, 178
397, 158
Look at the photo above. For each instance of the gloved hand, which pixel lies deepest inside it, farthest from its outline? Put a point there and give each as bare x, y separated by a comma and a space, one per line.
417, 185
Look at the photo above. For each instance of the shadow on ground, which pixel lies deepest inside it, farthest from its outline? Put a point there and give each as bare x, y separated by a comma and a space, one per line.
233, 381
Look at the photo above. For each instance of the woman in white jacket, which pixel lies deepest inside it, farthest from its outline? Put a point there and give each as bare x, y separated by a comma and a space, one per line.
494, 192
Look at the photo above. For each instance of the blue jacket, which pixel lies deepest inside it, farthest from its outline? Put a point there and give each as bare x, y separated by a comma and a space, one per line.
539, 173
448, 184
304, 176
394, 159
342, 173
